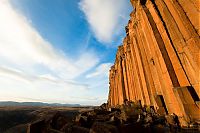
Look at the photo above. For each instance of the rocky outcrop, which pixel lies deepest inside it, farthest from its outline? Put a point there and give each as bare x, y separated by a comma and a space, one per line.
127, 118
159, 61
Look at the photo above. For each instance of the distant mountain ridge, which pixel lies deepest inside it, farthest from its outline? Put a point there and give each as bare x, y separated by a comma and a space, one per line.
12, 103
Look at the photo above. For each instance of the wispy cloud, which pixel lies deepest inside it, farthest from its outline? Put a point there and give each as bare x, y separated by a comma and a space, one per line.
99, 82
101, 70
106, 17
22, 45
30, 66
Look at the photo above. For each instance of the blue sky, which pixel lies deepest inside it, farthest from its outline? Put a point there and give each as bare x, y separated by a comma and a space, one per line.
59, 50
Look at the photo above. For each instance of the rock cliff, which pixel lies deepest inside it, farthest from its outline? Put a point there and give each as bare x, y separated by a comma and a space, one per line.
159, 61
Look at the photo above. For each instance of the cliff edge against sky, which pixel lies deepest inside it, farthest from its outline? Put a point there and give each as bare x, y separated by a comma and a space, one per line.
159, 61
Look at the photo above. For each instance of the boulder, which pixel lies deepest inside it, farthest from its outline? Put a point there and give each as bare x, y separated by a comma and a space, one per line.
67, 128
99, 127
58, 121
79, 129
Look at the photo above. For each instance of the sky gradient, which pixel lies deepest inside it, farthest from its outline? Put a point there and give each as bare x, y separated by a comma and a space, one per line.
59, 51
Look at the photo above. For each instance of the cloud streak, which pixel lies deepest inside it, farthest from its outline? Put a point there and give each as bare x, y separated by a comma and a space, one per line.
105, 17
101, 70
21, 44
31, 66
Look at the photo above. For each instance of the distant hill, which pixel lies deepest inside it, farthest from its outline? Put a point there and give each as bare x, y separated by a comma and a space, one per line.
12, 103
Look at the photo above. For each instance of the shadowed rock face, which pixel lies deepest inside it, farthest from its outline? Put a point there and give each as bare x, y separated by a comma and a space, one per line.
159, 61
16, 119
127, 118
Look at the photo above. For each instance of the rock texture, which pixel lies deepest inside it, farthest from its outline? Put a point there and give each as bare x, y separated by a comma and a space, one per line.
127, 118
159, 61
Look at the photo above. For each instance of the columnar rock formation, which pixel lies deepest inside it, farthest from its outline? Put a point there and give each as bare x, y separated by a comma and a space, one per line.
159, 61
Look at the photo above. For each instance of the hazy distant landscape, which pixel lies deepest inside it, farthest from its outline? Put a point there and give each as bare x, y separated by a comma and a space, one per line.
12, 103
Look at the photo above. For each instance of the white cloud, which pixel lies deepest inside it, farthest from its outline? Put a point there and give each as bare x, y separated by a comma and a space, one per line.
21, 44
31, 68
101, 70
106, 17
44, 88
98, 79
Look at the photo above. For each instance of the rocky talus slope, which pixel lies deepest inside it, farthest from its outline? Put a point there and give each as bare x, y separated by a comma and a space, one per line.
127, 118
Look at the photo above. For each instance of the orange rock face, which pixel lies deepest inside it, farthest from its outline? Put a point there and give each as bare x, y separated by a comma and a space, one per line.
159, 61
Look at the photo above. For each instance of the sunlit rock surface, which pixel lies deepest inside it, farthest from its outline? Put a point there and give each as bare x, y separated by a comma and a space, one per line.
159, 61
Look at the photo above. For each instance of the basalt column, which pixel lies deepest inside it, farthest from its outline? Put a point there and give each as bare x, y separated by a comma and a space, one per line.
159, 61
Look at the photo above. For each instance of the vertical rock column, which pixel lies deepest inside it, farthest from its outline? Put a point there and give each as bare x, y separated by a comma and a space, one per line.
159, 60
